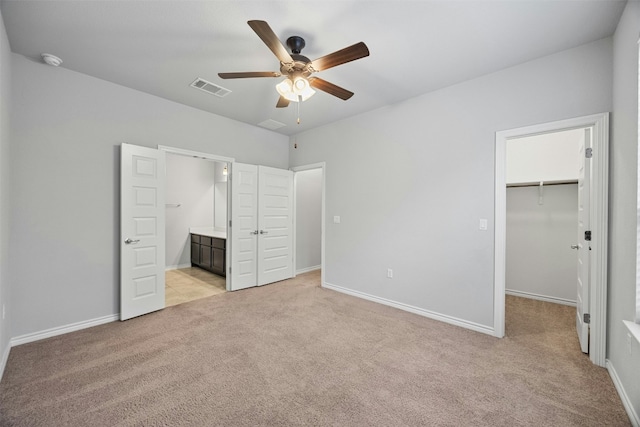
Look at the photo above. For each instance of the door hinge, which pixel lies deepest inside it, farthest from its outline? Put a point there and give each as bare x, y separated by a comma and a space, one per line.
588, 153
229, 223
587, 235
586, 318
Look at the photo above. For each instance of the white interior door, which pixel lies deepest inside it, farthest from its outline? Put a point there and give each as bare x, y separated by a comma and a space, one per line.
275, 224
142, 230
583, 246
244, 226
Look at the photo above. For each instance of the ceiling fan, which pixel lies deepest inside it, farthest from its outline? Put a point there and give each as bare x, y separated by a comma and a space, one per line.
297, 68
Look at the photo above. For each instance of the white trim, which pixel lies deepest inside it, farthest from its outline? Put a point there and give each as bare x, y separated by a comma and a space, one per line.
308, 269
637, 316
598, 215
176, 267
5, 357
412, 309
626, 402
539, 297
60, 330
323, 166
191, 153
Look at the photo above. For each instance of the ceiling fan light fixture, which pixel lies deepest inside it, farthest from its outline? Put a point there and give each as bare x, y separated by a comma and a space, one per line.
292, 90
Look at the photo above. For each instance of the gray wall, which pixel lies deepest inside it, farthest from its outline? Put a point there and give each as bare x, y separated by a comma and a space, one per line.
190, 182
411, 181
66, 131
540, 261
308, 219
622, 203
5, 97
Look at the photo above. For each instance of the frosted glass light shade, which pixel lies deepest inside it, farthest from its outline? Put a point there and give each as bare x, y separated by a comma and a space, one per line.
291, 90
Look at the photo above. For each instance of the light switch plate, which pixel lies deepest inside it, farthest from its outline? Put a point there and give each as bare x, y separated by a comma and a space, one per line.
336, 219
483, 224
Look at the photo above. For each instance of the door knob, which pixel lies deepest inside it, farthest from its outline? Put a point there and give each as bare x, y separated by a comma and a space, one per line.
575, 247
254, 232
264, 232
130, 241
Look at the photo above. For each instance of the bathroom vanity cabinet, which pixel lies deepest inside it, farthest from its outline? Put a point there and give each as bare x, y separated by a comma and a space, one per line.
208, 253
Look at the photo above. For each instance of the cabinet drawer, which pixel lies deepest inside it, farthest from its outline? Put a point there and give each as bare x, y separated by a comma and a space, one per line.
195, 238
219, 243
204, 240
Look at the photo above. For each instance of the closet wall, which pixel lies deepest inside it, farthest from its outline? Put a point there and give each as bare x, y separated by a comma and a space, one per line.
540, 261
542, 220
308, 220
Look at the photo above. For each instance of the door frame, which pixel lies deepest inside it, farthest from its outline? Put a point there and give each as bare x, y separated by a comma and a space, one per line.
217, 158
598, 208
323, 166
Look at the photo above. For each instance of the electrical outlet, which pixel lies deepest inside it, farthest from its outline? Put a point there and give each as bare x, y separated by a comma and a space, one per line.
389, 273
629, 344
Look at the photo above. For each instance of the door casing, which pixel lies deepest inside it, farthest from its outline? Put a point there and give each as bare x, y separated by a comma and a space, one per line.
598, 216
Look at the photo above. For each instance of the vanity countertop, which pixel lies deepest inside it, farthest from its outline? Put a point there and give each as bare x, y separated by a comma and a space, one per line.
208, 231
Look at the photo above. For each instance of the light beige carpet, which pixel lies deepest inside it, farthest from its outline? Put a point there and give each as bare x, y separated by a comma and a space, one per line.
292, 353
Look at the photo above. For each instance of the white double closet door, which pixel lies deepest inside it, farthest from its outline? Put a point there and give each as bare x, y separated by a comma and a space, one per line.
261, 225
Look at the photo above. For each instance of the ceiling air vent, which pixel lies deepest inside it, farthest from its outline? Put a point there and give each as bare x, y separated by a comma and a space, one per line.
271, 124
210, 87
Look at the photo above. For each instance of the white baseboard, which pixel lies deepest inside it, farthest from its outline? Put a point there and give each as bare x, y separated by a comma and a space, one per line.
416, 310
177, 267
626, 402
307, 269
540, 297
5, 357
48, 333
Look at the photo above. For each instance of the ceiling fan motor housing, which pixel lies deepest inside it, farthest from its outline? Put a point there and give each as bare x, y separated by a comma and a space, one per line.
301, 65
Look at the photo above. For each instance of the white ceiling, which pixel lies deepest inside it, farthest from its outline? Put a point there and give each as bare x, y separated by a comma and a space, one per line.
160, 47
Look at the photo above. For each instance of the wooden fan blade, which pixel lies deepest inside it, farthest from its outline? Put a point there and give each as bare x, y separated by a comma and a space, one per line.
330, 88
248, 74
264, 31
348, 54
282, 102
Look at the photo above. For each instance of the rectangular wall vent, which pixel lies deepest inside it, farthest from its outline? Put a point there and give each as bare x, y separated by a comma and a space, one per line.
209, 87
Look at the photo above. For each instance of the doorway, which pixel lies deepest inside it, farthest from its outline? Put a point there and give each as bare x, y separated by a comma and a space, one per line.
196, 205
598, 217
542, 173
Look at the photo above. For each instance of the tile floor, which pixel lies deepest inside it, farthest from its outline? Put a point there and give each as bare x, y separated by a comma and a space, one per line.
188, 284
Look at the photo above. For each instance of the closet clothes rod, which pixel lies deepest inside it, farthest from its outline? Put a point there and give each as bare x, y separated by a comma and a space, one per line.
544, 183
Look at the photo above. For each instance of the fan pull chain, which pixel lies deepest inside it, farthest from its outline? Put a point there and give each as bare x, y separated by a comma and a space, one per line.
299, 102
